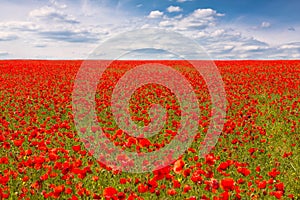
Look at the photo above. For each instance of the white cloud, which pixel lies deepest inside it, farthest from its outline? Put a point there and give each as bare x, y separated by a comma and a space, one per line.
217, 32
198, 19
76, 36
48, 13
182, 1
228, 47
5, 36
291, 29
291, 49
265, 24
207, 12
290, 46
155, 14
178, 16
253, 48
165, 41
230, 44
3, 53
171, 9
57, 4
18, 26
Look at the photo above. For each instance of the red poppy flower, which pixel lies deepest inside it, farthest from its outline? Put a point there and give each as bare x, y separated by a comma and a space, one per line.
262, 184
171, 192
274, 173
58, 190
279, 186
186, 188
244, 171
142, 188
109, 192
278, 194
227, 184
178, 166
18, 143
76, 148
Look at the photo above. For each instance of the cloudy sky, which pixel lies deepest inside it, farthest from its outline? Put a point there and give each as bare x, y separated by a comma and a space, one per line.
226, 29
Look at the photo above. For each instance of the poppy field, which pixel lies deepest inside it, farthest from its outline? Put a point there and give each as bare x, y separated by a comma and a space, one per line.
257, 155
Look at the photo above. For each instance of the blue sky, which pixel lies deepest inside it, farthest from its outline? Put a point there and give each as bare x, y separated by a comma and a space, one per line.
226, 29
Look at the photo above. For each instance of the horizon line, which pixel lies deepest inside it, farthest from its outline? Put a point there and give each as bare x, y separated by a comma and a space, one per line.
45, 59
